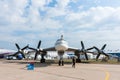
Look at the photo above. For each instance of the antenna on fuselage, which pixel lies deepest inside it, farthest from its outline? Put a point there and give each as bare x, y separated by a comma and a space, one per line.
61, 36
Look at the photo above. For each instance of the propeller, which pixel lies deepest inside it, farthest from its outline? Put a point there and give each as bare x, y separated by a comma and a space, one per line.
37, 50
101, 51
20, 50
83, 50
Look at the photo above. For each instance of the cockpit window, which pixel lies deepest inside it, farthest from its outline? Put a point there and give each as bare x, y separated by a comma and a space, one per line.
59, 41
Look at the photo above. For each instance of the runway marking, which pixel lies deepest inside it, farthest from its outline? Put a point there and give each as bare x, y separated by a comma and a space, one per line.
107, 75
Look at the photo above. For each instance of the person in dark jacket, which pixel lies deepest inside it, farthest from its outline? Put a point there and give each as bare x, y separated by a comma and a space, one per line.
73, 62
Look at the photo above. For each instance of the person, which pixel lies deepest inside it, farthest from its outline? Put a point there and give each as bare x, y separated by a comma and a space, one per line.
60, 61
73, 62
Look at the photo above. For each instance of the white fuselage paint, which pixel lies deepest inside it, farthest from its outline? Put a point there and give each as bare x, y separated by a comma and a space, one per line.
61, 45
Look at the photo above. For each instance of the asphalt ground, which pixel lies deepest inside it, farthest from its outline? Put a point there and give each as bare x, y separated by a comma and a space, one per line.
17, 70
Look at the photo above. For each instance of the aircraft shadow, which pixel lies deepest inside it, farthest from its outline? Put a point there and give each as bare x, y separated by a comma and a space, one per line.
37, 64
26, 62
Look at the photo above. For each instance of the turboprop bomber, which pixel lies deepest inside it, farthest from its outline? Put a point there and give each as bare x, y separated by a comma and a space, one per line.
61, 46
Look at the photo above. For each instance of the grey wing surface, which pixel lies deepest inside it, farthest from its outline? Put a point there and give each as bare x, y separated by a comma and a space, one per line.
72, 49
49, 49
53, 49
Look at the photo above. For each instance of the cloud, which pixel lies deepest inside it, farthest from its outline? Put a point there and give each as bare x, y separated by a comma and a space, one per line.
95, 17
27, 21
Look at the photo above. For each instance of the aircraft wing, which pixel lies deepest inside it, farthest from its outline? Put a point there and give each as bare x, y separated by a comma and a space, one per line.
7, 53
53, 49
69, 49
72, 49
92, 52
49, 49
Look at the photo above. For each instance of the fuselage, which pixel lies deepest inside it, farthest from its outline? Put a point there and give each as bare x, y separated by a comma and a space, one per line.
61, 44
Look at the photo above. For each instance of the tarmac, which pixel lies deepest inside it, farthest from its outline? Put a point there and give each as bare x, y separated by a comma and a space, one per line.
17, 70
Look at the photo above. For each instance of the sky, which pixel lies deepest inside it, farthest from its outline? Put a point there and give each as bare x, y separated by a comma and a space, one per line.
95, 22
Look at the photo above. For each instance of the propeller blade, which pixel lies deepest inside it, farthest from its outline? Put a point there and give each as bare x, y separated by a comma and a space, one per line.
17, 46
39, 44
24, 47
90, 48
103, 47
32, 48
15, 53
82, 45
97, 49
23, 55
35, 55
86, 56
98, 56
105, 54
